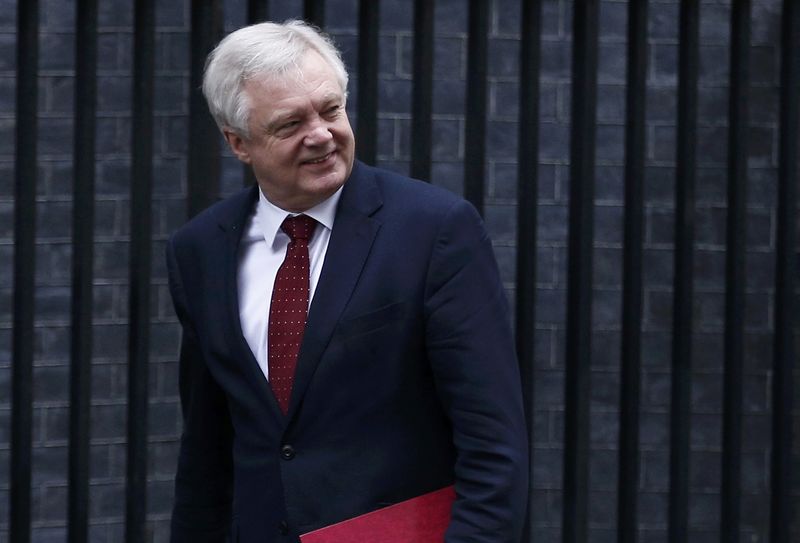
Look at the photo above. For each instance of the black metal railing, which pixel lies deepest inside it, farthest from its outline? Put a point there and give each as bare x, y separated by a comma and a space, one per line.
83, 221
575, 515
203, 187
631, 359
683, 279
140, 276
24, 270
527, 187
785, 278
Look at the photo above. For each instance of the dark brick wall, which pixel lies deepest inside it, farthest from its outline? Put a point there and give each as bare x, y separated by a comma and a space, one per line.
109, 375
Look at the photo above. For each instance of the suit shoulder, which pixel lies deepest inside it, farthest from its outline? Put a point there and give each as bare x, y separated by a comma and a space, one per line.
406, 191
225, 213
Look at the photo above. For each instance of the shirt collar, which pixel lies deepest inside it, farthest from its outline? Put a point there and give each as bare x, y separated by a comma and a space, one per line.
270, 217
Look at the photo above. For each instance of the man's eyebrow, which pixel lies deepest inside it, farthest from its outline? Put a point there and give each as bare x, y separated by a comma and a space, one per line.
279, 118
329, 97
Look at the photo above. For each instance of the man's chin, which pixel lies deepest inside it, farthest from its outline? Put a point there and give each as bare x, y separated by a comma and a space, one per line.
326, 185
334, 176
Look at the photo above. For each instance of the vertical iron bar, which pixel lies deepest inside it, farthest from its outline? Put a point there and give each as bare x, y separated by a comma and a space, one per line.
635, 145
579, 289
314, 12
203, 166
139, 273
24, 270
475, 131
527, 199
735, 265
785, 279
422, 91
367, 131
82, 272
683, 281
257, 12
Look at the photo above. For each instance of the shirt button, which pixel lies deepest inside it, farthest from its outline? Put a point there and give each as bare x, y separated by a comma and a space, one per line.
287, 452
283, 527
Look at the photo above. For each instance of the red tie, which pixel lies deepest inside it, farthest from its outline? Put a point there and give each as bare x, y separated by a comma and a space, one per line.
289, 307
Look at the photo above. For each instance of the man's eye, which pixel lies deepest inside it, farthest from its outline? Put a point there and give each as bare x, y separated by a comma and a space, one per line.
332, 110
287, 127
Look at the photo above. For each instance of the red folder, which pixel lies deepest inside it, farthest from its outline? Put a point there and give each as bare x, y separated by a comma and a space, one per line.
423, 519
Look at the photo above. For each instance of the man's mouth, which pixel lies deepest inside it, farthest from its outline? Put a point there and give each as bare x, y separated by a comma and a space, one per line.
319, 160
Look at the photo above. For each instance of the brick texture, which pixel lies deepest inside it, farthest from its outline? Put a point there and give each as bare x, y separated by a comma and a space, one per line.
109, 372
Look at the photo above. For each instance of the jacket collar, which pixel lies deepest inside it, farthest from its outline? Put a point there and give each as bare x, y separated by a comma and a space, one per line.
354, 231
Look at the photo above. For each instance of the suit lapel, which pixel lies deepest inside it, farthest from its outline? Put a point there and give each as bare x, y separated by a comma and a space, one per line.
233, 220
353, 232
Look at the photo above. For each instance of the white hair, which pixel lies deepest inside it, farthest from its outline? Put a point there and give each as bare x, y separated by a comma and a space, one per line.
264, 50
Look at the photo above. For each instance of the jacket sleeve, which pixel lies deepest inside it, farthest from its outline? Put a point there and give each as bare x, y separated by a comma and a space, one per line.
203, 483
471, 349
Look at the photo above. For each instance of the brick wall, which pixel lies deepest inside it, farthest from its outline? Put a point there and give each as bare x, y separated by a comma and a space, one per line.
109, 373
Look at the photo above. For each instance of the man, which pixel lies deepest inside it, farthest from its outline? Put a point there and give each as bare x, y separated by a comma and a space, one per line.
346, 342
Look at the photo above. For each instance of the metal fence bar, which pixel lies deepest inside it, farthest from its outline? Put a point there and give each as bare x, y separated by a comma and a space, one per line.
527, 201
82, 272
203, 160
139, 271
785, 279
257, 12
203, 168
683, 284
735, 255
630, 372
24, 270
475, 130
422, 91
579, 281
314, 12
367, 129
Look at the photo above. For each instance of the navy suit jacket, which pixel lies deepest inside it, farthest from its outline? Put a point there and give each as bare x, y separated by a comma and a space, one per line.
406, 381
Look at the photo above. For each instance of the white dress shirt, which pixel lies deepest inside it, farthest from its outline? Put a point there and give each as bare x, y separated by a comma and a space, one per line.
261, 252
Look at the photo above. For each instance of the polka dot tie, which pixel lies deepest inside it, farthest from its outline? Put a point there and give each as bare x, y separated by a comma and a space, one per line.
289, 308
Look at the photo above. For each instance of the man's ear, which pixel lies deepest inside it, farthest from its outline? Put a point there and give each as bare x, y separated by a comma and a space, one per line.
237, 145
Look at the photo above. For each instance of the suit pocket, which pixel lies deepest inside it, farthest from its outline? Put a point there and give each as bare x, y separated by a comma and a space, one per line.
372, 320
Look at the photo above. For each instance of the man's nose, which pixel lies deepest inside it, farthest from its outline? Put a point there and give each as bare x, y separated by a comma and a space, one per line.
318, 135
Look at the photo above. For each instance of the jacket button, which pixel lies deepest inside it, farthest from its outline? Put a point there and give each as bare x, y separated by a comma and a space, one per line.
283, 527
287, 452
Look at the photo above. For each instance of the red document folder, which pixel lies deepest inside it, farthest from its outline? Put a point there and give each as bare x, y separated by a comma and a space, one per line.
423, 519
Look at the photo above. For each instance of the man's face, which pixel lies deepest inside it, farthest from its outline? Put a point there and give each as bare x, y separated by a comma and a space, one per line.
300, 145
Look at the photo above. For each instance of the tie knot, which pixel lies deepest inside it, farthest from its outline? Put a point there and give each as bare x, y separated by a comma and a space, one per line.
299, 227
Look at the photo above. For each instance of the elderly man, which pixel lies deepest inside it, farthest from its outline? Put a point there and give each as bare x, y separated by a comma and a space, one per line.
346, 342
